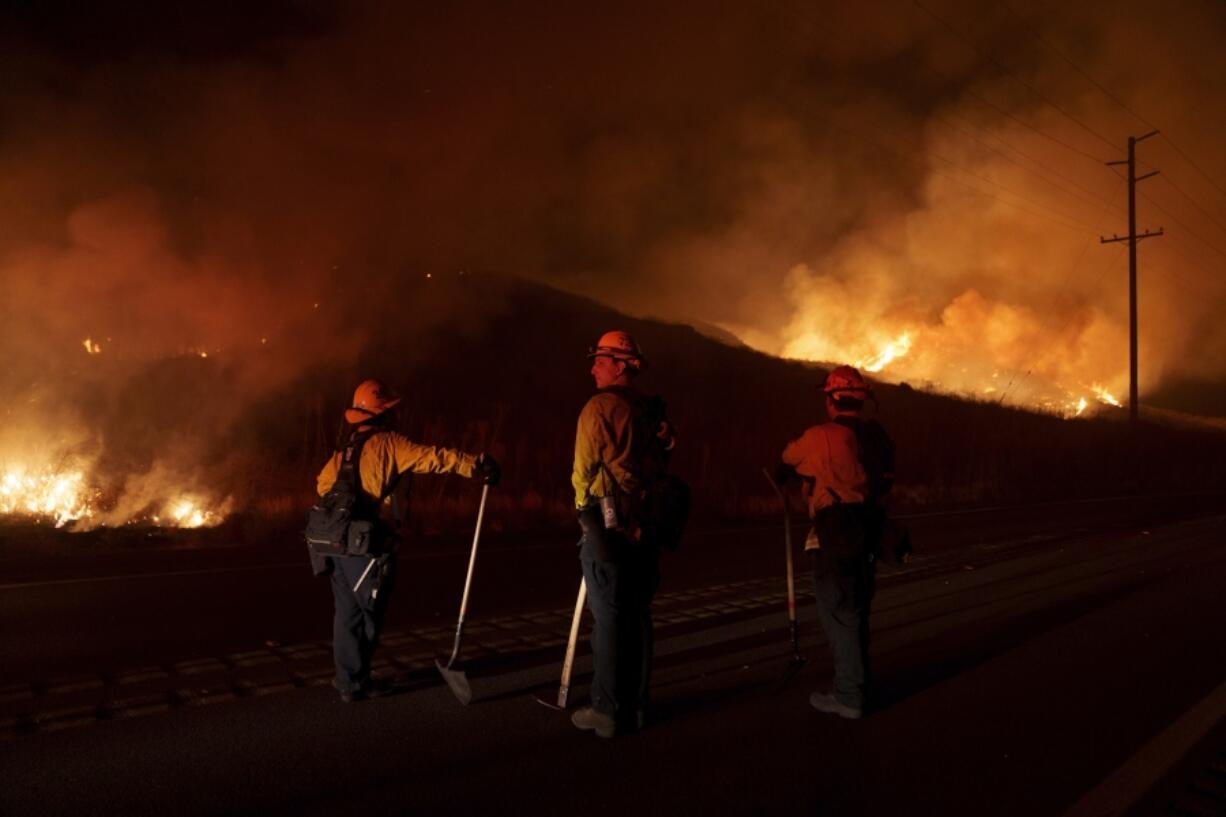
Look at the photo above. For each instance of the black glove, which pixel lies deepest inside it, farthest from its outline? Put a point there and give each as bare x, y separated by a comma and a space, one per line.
784, 474
591, 522
489, 470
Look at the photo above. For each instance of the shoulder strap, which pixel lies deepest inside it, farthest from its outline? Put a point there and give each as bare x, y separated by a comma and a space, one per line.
351, 458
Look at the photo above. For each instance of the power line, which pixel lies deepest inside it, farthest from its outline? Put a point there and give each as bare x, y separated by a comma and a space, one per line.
1098, 162
1013, 76
1194, 203
1190, 261
1188, 229
1054, 216
1185, 283
1038, 36
1094, 203
1046, 167
1198, 168
1107, 93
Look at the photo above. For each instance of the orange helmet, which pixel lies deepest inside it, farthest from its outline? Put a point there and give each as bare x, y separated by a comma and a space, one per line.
846, 379
370, 399
619, 346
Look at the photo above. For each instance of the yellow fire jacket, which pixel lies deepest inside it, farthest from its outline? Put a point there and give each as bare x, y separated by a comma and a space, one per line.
388, 454
606, 435
827, 456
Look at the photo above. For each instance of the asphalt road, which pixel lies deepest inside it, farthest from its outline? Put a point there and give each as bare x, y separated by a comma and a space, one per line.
84, 610
1019, 670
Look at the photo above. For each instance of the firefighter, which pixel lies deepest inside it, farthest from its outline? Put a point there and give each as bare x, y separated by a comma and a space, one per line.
384, 455
846, 466
623, 440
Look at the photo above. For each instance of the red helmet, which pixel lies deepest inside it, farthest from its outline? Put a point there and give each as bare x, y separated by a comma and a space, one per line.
370, 399
619, 346
846, 379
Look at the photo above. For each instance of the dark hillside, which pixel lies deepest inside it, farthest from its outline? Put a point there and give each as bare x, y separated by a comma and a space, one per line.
486, 362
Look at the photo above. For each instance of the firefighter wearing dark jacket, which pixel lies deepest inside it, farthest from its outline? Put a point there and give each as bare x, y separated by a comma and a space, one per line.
384, 455
846, 466
621, 442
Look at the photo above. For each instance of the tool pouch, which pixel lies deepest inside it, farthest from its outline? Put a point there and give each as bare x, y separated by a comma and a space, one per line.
362, 537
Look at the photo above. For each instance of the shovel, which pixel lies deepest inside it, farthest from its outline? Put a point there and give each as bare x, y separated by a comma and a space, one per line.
797, 660
568, 662
456, 679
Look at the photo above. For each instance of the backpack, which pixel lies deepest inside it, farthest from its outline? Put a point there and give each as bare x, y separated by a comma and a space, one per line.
665, 506
876, 451
344, 521
892, 540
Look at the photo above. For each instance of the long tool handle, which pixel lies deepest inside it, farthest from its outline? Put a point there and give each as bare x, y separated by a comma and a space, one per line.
468, 580
569, 662
365, 573
787, 543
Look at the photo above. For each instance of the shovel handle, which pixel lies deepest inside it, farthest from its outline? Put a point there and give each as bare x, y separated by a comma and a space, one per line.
787, 544
468, 580
365, 573
568, 662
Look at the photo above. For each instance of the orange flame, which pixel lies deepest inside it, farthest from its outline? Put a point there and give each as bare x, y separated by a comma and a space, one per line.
60, 497
64, 497
1105, 396
893, 350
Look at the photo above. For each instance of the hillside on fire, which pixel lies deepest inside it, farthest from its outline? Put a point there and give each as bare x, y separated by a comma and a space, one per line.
492, 363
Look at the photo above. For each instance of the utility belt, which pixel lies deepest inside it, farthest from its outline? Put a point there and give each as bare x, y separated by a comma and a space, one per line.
607, 529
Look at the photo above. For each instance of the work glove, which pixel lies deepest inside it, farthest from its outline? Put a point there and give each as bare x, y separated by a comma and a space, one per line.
591, 522
488, 470
784, 474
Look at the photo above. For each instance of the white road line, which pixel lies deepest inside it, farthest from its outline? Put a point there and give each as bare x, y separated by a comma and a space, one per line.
1127, 784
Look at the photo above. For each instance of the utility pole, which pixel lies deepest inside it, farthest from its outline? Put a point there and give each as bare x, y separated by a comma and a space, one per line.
1132, 238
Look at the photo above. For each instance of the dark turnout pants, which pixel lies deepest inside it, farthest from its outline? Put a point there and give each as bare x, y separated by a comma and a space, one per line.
619, 595
358, 618
844, 581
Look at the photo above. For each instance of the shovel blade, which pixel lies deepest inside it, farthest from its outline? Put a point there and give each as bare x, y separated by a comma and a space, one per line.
791, 671
457, 680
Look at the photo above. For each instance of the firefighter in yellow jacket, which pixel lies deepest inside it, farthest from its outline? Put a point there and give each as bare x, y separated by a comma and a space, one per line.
622, 442
382, 455
846, 466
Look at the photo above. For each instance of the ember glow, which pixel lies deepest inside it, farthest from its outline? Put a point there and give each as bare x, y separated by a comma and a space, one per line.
1105, 396
58, 497
891, 352
186, 513
67, 498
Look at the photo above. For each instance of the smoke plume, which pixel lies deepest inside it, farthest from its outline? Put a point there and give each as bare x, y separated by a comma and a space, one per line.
234, 190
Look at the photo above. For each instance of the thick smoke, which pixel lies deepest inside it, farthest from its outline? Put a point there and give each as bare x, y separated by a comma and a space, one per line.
212, 188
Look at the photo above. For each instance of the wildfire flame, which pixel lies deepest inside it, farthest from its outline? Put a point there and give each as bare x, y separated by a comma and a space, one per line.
186, 513
1105, 396
893, 350
1065, 402
64, 497
58, 497
92, 346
